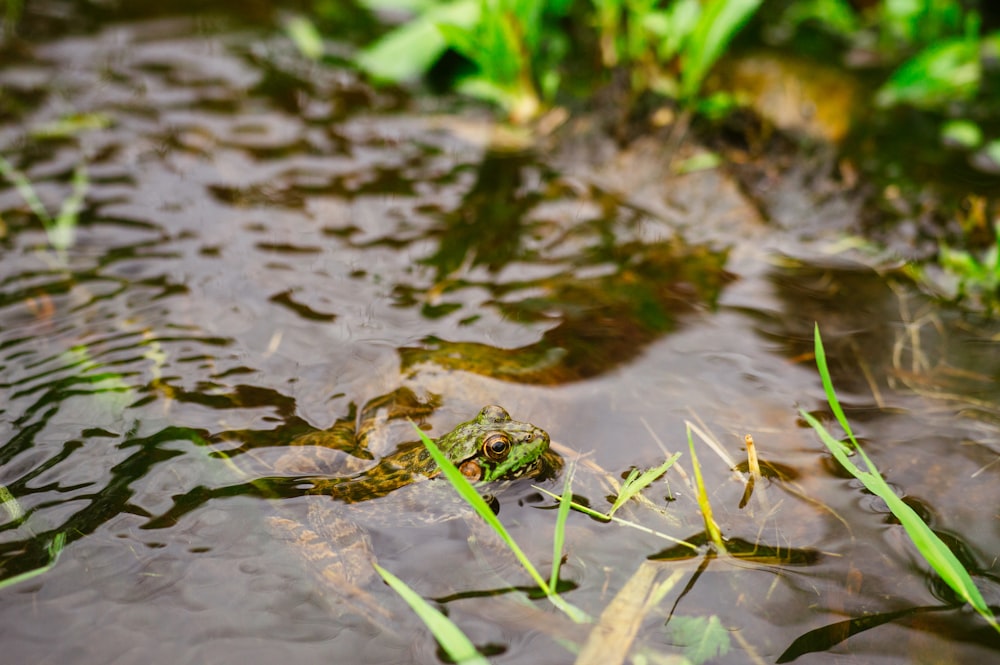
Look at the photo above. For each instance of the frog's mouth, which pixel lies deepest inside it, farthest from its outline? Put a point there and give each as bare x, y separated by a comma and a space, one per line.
530, 469
473, 470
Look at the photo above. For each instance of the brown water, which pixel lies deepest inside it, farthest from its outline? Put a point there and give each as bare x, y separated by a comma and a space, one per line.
266, 242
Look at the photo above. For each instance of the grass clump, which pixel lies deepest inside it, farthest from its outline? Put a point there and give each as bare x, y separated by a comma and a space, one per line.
518, 50
930, 546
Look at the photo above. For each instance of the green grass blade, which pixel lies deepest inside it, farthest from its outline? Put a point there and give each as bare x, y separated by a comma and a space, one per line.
930, 546
831, 396
411, 49
471, 496
617, 520
719, 21
706, 508
559, 535
451, 638
305, 36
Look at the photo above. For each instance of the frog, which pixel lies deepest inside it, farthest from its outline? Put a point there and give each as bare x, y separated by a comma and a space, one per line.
336, 468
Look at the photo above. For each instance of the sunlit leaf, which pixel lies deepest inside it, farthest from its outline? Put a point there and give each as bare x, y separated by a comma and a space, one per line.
836, 16
962, 133
940, 74
305, 36
720, 20
408, 51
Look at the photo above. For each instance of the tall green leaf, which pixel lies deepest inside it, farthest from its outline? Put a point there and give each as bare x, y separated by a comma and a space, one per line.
930, 546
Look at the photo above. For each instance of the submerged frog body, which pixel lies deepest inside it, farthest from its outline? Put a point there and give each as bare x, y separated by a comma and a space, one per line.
488, 448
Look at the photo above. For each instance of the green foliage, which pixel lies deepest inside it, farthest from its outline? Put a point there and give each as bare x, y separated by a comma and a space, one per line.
943, 73
930, 546
408, 51
517, 46
836, 16
686, 36
978, 274
502, 44
718, 23
12, 10
559, 535
702, 638
305, 36
905, 23
962, 133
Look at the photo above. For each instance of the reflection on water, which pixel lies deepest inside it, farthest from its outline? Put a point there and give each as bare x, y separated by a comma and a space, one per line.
265, 246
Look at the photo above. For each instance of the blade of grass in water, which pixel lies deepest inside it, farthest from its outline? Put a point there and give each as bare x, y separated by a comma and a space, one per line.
637, 482
930, 546
617, 520
559, 535
706, 508
471, 496
451, 638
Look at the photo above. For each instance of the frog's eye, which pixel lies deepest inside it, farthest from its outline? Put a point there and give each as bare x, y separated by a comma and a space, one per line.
496, 446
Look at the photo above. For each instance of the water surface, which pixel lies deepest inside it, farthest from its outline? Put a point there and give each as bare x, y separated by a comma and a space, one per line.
267, 244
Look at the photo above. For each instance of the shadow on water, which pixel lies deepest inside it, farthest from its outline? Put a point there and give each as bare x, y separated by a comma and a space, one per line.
270, 252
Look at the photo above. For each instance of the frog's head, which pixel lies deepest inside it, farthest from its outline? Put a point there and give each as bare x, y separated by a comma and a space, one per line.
494, 447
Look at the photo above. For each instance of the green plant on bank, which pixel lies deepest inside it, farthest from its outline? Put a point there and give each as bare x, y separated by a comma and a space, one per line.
12, 10
936, 47
505, 40
504, 45
931, 547
670, 49
516, 46
978, 274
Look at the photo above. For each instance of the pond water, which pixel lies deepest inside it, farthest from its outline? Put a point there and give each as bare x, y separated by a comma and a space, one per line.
266, 245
